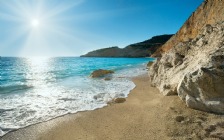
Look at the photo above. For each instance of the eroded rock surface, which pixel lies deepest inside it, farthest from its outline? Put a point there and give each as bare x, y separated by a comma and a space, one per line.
210, 12
194, 70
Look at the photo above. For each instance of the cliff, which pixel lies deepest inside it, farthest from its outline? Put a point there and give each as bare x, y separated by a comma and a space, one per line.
210, 12
193, 63
141, 49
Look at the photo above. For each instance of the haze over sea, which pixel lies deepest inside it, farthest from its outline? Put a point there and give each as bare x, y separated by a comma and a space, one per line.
38, 89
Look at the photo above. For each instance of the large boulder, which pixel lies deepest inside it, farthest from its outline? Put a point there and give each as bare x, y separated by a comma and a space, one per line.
203, 89
100, 73
194, 70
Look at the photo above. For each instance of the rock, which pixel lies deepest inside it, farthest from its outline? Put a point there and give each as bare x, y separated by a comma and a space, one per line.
100, 73
210, 128
206, 15
119, 100
203, 89
107, 78
215, 130
218, 135
194, 70
99, 96
179, 118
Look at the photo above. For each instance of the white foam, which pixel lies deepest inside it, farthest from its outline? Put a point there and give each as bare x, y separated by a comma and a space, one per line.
69, 96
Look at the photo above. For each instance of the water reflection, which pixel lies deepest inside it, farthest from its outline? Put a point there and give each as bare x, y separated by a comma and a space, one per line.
58, 86
39, 73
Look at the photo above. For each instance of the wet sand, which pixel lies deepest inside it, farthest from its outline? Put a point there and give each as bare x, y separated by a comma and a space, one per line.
146, 115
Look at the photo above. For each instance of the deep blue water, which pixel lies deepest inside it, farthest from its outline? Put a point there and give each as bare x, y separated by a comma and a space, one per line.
37, 89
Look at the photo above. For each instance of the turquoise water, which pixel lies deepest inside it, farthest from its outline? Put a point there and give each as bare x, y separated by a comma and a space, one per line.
38, 89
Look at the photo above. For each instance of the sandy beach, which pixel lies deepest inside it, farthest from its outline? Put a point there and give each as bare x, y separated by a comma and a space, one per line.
146, 115
112, 70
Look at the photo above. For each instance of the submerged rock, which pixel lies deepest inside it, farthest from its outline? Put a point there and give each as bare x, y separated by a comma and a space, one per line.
99, 96
100, 73
107, 78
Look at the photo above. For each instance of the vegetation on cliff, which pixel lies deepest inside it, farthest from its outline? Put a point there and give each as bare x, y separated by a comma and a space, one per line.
141, 49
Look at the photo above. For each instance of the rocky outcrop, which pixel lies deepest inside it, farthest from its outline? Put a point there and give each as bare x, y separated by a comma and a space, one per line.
142, 49
210, 12
203, 89
100, 73
105, 52
194, 70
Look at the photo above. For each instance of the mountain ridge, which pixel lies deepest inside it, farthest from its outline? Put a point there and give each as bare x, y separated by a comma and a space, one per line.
140, 49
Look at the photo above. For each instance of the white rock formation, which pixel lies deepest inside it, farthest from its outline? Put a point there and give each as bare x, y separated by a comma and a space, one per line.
194, 70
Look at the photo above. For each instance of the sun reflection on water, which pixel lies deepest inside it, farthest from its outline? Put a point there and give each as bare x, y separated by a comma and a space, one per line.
38, 61
39, 74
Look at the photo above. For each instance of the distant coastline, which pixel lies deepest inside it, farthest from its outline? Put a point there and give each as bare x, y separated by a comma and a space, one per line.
141, 49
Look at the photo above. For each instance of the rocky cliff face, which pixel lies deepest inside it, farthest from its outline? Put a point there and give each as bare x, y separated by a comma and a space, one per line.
142, 49
210, 12
194, 70
193, 63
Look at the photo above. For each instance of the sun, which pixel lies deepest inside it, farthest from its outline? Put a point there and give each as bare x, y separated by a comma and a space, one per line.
35, 23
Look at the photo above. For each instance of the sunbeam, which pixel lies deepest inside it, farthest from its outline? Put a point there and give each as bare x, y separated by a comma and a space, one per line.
38, 19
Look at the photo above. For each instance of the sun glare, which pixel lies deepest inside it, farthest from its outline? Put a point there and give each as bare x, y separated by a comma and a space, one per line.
40, 27
35, 23
38, 60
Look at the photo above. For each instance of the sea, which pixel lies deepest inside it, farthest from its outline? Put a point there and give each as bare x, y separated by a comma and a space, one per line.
34, 90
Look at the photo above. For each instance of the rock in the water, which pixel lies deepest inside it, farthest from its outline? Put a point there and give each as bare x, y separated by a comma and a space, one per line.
119, 100
99, 96
100, 73
107, 78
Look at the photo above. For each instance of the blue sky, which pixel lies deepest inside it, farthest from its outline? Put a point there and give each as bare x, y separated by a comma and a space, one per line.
74, 27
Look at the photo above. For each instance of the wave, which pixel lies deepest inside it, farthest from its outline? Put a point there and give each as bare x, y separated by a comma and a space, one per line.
14, 88
4, 130
70, 91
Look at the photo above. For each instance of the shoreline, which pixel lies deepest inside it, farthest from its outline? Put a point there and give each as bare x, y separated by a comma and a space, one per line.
114, 87
146, 114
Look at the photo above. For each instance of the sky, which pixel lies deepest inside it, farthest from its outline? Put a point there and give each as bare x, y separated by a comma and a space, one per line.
75, 27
